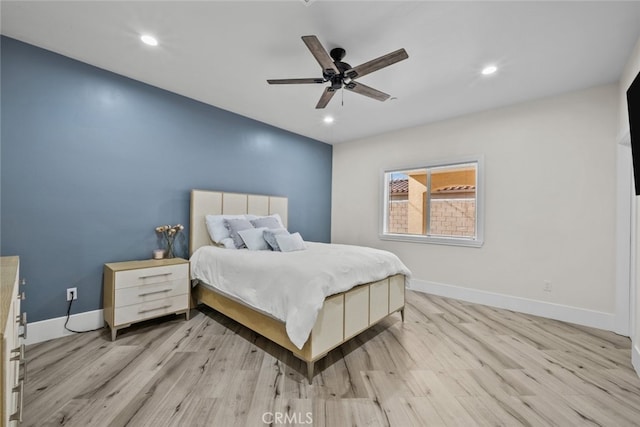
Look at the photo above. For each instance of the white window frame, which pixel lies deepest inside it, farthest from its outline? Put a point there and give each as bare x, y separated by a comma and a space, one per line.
477, 241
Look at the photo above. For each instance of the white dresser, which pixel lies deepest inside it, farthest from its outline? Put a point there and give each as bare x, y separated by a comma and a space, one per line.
139, 290
13, 328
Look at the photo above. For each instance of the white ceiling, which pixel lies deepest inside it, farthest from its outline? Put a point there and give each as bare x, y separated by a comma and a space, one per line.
222, 52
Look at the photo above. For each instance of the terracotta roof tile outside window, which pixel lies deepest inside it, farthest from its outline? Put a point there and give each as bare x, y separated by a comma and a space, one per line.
399, 186
456, 189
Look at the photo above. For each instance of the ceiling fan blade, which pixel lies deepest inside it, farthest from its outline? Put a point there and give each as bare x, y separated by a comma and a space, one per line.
366, 91
326, 97
321, 55
294, 81
376, 64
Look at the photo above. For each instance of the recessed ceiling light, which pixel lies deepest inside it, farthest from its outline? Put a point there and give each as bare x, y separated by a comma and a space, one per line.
489, 69
150, 40
328, 119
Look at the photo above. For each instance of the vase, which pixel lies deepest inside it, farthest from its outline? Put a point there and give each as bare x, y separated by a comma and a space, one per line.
169, 253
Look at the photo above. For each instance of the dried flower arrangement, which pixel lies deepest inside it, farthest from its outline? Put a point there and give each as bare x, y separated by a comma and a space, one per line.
169, 233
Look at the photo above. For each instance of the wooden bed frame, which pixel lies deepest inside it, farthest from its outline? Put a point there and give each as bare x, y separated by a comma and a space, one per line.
342, 316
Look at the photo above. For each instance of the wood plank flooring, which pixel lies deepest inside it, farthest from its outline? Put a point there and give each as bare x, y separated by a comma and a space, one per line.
450, 364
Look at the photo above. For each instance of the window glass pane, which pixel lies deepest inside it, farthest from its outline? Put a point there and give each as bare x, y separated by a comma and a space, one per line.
406, 207
452, 203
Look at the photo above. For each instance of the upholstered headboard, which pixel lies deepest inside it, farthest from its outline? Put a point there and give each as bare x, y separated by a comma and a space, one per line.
218, 203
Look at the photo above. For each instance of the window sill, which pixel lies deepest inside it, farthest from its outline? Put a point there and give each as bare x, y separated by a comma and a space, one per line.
451, 241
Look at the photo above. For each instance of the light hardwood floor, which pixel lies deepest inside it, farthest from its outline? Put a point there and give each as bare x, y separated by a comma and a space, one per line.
450, 364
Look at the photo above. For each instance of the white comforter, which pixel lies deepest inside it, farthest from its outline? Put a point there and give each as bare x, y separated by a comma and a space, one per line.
292, 286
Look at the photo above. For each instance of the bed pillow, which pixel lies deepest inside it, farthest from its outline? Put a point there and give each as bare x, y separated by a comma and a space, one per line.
266, 221
279, 219
236, 225
290, 242
228, 243
216, 227
254, 240
270, 237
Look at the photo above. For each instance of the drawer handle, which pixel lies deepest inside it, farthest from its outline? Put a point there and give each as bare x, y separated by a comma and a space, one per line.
17, 416
21, 319
155, 275
20, 356
155, 292
23, 323
22, 296
23, 282
23, 363
154, 309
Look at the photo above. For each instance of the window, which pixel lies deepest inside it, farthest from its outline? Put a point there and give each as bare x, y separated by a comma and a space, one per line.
435, 203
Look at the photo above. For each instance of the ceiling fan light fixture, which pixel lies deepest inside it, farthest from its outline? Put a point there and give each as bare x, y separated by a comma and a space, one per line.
489, 69
149, 40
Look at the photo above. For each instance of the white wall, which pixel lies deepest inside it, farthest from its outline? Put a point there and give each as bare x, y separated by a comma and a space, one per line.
550, 172
631, 70
629, 73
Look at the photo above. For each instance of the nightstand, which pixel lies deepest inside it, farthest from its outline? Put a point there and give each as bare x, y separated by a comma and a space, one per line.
14, 365
139, 290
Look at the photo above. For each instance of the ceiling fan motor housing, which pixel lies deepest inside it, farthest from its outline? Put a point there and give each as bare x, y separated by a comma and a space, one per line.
337, 53
337, 80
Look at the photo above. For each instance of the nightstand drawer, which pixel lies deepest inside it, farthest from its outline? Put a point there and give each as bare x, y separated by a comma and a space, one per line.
146, 276
139, 294
148, 310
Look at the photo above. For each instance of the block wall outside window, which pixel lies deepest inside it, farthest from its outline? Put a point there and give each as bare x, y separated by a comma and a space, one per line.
448, 217
453, 217
398, 221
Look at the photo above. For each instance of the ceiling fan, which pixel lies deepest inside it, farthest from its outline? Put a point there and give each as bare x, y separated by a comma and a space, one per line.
340, 74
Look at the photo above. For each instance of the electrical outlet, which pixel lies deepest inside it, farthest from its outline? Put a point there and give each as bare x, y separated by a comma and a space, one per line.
547, 286
72, 293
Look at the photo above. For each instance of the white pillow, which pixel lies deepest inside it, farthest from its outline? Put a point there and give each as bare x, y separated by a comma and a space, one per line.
254, 240
290, 242
228, 243
216, 227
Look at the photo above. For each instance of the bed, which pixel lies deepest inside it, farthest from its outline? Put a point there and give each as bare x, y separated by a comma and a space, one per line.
340, 316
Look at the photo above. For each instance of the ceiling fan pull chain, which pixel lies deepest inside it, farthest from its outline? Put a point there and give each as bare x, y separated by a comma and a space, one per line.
342, 97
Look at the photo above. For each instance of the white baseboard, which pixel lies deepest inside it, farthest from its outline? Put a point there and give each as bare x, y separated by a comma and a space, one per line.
565, 313
54, 328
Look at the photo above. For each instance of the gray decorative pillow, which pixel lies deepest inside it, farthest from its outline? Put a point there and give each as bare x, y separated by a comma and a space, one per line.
234, 226
270, 237
217, 228
290, 242
266, 221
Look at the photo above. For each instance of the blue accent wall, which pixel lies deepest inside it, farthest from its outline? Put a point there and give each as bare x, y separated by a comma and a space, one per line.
92, 162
